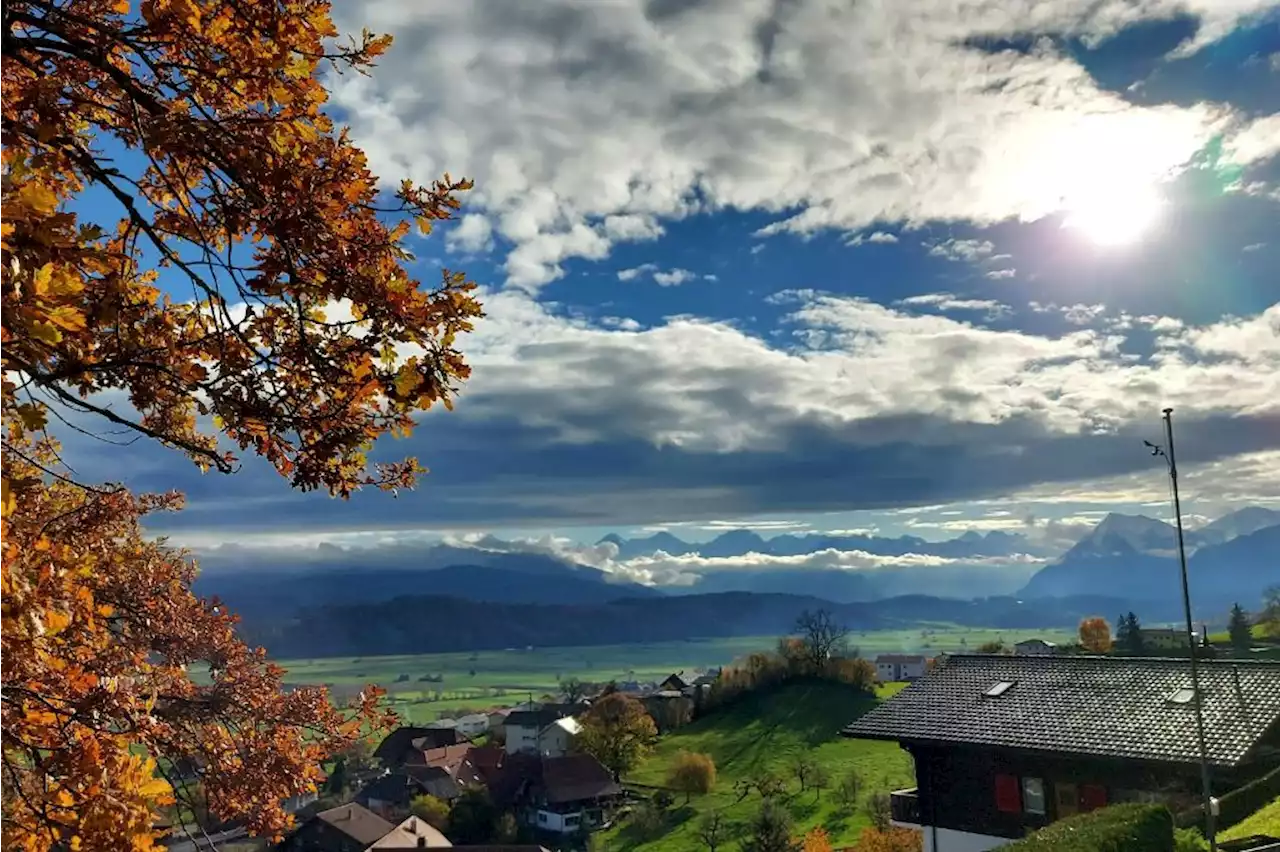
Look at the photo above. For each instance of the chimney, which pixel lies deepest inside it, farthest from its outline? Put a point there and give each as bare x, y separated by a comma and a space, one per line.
422, 843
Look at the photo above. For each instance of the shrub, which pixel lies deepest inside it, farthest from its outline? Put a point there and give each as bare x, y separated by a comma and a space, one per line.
891, 839
692, 773
1119, 828
431, 810
878, 810
1237, 805
1189, 840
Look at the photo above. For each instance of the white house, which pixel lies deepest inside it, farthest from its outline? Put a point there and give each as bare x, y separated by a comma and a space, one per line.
1035, 648
545, 731
473, 725
900, 666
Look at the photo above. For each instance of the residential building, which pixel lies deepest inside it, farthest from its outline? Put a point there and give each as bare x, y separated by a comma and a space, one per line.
391, 795
413, 833
1004, 745
563, 795
346, 828
473, 724
1035, 648
673, 682
1163, 638
497, 718
401, 743
548, 731
900, 666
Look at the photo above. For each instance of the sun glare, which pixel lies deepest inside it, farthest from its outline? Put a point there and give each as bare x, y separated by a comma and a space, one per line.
1115, 216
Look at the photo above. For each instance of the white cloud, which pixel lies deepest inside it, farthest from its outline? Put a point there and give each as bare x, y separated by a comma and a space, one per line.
472, 233
1254, 247
998, 274
873, 237
673, 277
1080, 314
584, 125
949, 302
962, 250
636, 271
710, 277
1256, 141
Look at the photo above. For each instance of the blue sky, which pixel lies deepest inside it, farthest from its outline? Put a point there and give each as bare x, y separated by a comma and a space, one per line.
917, 267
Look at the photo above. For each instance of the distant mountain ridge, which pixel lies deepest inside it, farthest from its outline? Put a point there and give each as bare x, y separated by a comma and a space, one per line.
1229, 561
743, 541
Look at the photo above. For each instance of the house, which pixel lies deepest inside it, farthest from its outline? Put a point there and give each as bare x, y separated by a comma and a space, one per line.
391, 795
674, 683
413, 833
1004, 745
402, 742
498, 718
900, 666
563, 795
547, 731
1163, 638
1035, 647
473, 724
346, 828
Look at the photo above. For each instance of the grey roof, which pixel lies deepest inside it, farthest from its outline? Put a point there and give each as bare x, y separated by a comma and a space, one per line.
358, 823
1105, 706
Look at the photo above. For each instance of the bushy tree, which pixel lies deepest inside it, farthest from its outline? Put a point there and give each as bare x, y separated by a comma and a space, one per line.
770, 830
431, 810
692, 773
1095, 635
890, 839
995, 646
262, 220
816, 840
879, 810
847, 789
473, 818
1239, 631
1129, 634
617, 731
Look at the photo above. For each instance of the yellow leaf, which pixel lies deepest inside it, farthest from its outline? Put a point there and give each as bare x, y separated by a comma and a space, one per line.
407, 381
56, 621
38, 197
33, 417
65, 316
40, 282
8, 502
48, 332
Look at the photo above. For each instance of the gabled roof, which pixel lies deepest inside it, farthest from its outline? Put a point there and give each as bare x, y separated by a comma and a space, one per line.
1117, 707
360, 824
674, 681
576, 777
397, 788
542, 716
407, 835
900, 658
391, 751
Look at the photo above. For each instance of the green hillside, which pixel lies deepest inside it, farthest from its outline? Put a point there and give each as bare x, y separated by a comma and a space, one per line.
768, 731
1265, 821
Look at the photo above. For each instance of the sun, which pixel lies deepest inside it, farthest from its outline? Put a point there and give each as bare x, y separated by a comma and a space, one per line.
1115, 215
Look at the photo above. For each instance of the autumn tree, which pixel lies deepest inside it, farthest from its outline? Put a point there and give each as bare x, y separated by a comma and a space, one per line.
1095, 635
573, 689
890, 839
617, 731
816, 840
821, 637
1239, 631
692, 773
431, 810
240, 279
995, 646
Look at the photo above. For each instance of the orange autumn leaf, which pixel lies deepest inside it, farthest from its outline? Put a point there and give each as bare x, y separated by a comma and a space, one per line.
231, 148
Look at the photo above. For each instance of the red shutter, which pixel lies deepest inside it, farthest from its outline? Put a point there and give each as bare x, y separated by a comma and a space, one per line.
1092, 797
1008, 795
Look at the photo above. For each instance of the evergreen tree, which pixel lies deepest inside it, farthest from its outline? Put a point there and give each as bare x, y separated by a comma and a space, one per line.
1129, 634
337, 784
1238, 630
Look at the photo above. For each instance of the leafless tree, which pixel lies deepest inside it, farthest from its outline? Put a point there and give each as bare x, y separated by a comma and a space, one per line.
823, 637
712, 830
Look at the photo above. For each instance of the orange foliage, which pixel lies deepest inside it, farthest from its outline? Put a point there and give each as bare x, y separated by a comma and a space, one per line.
1095, 635
816, 840
294, 329
892, 839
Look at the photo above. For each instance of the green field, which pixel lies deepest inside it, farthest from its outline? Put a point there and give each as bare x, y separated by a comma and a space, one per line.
1265, 821
767, 732
487, 678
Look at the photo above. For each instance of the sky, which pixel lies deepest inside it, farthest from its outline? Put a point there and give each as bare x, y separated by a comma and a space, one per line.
904, 266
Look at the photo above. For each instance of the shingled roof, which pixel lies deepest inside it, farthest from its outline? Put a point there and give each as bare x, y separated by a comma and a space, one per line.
1123, 707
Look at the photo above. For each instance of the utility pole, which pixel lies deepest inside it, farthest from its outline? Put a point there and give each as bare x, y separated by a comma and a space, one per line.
1198, 697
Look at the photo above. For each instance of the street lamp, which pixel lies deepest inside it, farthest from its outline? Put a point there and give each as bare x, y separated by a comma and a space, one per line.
1198, 699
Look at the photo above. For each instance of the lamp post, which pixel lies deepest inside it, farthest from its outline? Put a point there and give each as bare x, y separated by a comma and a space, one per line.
1197, 698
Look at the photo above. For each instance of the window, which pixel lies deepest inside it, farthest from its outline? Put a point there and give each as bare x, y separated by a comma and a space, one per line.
542, 816
1008, 797
998, 689
571, 821
1182, 696
1033, 795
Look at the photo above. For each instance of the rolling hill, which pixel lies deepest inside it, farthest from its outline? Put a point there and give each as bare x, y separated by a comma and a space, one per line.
767, 731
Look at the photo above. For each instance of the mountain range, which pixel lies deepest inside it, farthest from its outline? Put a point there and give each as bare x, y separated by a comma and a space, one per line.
741, 542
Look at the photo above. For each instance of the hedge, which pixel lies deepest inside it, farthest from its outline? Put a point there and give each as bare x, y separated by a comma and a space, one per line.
1237, 805
1119, 828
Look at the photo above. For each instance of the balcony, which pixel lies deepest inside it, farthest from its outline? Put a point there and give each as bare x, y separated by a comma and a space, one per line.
904, 807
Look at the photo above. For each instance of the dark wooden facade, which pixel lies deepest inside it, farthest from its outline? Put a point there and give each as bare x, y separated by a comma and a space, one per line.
1006, 793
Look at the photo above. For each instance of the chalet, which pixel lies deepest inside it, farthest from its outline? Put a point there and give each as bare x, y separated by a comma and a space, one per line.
673, 683
412, 833
900, 666
399, 745
1035, 648
390, 795
346, 828
547, 731
1004, 745
563, 795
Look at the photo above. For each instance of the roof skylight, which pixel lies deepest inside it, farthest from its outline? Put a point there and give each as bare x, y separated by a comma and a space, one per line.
1182, 696
998, 689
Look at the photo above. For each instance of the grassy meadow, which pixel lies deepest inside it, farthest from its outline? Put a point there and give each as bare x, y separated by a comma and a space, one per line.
481, 679
767, 732
1265, 821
